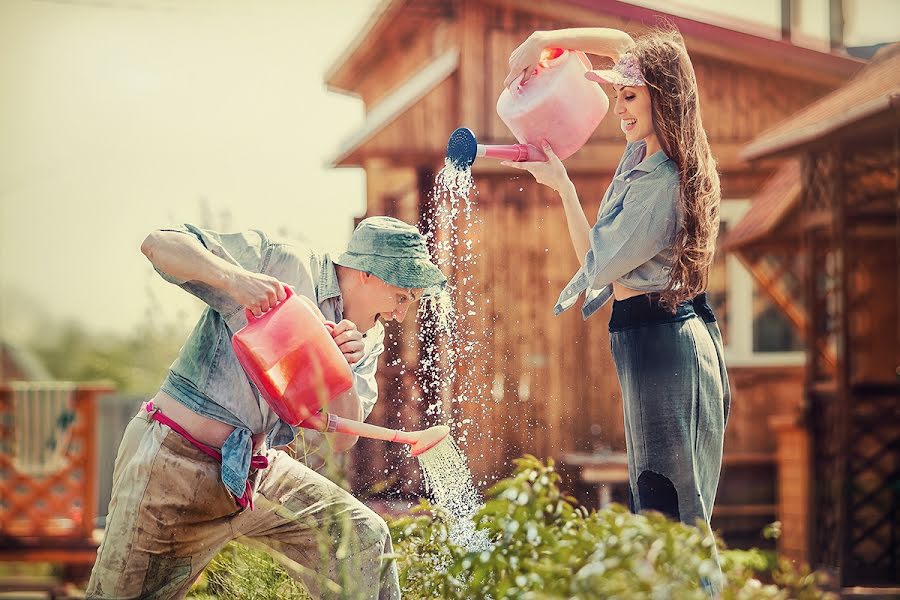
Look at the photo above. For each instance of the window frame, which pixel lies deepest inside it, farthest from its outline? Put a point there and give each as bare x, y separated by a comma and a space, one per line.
739, 286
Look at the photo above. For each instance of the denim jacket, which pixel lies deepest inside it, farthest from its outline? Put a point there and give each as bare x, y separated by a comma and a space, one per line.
207, 377
632, 240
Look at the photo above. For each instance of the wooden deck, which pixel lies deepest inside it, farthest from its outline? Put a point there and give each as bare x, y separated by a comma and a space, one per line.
48, 474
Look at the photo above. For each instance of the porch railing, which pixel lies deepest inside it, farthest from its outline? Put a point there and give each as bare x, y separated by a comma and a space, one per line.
48, 472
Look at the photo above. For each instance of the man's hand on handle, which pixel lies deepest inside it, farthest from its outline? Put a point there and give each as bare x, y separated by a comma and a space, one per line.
259, 293
256, 291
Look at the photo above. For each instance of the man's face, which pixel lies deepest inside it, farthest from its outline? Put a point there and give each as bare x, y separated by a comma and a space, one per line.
384, 301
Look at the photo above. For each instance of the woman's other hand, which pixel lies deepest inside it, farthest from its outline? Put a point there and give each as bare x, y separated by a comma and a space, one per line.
551, 172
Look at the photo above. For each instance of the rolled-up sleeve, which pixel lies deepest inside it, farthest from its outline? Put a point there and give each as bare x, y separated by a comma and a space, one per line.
631, 233
364, 381
245, 249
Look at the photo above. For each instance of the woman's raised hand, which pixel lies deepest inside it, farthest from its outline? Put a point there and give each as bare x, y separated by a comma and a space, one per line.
551, 172
524, 59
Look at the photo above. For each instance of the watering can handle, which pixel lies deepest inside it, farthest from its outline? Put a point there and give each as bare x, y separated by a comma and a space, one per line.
516, 83
288, 292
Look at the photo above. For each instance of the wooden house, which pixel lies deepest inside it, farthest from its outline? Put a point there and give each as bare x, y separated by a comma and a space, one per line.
48, 471
18, 364
836, 211
546, 385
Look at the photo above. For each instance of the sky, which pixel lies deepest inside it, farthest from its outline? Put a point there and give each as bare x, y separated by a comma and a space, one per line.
117, 118
120, 117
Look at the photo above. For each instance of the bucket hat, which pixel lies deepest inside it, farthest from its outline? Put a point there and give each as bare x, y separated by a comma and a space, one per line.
395, 252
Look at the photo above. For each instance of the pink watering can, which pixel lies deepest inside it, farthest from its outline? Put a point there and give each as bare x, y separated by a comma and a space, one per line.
289, 354
556, 104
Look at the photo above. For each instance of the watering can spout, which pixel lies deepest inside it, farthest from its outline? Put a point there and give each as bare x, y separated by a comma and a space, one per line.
463, 149
419, 441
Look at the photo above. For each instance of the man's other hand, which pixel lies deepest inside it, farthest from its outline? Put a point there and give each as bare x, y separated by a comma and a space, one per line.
349, 340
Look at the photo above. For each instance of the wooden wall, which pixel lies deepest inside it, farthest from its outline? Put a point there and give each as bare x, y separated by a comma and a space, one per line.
541, 384
873, 320
550, 381
10, 369
421, 131
538, 384
401, 55
738, 102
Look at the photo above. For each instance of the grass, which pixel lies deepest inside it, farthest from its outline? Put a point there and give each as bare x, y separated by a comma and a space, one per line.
239, 572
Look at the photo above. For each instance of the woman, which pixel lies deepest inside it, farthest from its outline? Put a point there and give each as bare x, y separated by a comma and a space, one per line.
651, 249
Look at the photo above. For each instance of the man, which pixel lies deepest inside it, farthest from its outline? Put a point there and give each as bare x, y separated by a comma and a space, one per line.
198, 466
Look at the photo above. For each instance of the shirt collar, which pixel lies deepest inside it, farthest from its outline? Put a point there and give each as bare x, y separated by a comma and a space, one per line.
651, 162
328, 286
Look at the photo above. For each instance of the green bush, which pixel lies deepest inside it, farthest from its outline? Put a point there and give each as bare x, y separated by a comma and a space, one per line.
546, 548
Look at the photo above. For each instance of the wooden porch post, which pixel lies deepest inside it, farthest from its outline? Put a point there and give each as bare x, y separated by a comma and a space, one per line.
86, 400
844, 410
794, 463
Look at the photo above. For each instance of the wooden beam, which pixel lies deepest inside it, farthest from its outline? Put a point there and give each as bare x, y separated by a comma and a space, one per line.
473, 66
837, 189
744, 510
342, 74
794, 485
820, 219
744, 459
871, 231
86, 401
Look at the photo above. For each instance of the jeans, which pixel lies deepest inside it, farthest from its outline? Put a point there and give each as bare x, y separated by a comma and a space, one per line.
676, 401
170, 514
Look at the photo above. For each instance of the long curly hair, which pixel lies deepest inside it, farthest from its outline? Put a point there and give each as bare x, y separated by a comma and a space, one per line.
667, 69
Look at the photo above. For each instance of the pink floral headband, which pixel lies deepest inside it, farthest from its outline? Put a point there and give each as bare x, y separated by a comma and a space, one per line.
626, 71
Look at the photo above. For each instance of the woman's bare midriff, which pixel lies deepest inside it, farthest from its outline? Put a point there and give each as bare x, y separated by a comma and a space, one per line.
624, 293
203, 429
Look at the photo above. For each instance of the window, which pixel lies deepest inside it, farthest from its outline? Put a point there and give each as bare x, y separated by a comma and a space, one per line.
754, 329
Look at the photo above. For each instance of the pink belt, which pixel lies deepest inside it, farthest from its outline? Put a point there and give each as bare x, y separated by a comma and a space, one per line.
258, 461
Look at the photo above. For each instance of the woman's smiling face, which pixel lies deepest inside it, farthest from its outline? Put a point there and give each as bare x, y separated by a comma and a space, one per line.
635, 113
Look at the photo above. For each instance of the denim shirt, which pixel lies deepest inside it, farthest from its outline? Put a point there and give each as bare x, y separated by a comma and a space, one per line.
632, 240
207, 377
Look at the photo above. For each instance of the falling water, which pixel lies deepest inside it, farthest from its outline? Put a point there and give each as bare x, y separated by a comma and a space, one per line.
449, 483
448, 479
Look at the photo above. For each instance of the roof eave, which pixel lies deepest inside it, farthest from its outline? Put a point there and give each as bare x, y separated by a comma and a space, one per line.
744, 241
335, 76
839, 66
396, 103
773, 145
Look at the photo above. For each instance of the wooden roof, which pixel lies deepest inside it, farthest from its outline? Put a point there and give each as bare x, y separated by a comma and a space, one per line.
730, 39
735, 39
872, 96
770, 205
399, 101
17, 362
390, 17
